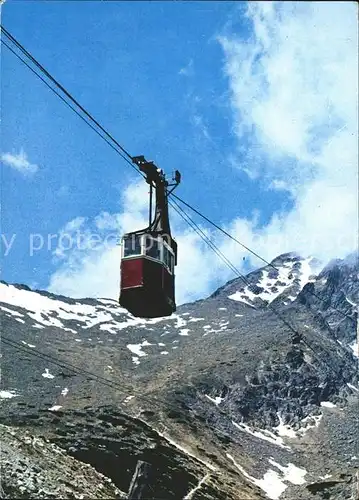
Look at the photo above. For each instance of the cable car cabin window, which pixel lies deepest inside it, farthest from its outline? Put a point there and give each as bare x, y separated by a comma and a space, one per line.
168, 259
132, 245
153, 248
171, 262
165, 256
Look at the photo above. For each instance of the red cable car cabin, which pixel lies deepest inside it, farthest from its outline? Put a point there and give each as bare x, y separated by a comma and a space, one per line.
147, 275
149, 256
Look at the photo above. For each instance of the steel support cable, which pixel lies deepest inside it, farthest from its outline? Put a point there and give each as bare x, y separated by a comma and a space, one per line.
72, 107
62, 364
113, 385
21, 348
79, 371
192, 224
34, 61
108, 382
205, 238
251, 251
42, 69
223, 231
296, 333
101, 380
304, 340
236, 271
27, 54
270, 307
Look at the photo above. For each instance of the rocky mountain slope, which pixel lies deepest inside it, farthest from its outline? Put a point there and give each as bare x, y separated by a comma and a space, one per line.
251, 393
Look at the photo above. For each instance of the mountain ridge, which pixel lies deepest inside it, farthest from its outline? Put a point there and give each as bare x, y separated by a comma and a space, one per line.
225, 380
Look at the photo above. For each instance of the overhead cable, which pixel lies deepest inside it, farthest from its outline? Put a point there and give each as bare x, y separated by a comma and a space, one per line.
116, 146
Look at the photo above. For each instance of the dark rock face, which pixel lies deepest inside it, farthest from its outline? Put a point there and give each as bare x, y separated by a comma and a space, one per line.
31, 467
334, 296
231, 397
112, 443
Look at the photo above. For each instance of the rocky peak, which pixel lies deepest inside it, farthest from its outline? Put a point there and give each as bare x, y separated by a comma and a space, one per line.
279, 282
334, 296
220, 397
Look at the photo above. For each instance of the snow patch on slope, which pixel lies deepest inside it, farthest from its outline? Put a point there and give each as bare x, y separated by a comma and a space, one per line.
55, 408
217, 400
246, 296
273, 483
8, 394
27, 344
137, 350
327, 404
47, 374
187, 452
355, 348
286, 276
263, 434
11, 311
283, 429
47, 311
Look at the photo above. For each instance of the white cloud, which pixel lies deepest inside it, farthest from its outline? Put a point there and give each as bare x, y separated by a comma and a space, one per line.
74, 224
294, 99
279, 185
187, 70
85, 270
294, 88
63, 191
198, 122
295, 82
19, 162
67, 235
89, 256
89, 274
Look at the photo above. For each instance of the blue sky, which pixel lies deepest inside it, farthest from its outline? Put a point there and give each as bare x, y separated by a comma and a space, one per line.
160, 76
